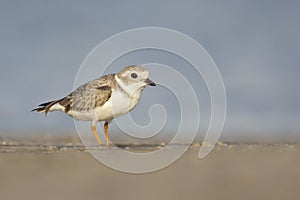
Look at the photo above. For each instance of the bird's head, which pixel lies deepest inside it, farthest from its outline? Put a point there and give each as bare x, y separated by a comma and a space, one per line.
134, 78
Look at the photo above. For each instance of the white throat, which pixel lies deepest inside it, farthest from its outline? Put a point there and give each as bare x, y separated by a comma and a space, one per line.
132, 90
125, 98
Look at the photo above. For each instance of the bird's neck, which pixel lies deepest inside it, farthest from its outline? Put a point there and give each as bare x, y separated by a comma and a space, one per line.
130, 91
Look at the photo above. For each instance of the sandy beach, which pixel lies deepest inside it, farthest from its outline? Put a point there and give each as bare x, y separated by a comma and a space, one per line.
231, 171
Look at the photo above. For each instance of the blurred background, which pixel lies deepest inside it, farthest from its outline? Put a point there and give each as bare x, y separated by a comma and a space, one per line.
255, 45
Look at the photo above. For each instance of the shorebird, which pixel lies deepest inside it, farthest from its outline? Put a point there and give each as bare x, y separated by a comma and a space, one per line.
103, 99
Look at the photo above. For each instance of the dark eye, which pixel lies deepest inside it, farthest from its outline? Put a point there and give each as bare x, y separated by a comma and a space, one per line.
134, 75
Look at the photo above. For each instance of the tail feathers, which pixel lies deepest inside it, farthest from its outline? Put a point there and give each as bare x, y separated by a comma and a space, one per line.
45, 107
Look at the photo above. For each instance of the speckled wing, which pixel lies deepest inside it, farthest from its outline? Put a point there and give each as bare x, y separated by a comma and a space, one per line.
90, 95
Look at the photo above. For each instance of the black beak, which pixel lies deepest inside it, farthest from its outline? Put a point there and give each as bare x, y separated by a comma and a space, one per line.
149, 82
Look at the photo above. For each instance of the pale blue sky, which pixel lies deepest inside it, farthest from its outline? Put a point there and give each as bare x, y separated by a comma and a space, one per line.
254, 43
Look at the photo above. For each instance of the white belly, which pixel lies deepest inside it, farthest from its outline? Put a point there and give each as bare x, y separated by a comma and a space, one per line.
119, 104
97, 114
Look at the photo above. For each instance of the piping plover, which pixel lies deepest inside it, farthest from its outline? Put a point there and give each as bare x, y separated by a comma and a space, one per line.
104, 98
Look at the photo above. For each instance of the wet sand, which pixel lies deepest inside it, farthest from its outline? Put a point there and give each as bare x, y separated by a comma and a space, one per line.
231, 171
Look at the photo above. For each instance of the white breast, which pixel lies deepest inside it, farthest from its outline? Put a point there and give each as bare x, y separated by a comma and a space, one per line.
122, 103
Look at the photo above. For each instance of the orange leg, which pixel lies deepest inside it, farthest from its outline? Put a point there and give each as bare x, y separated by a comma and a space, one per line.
106, 133
95, 134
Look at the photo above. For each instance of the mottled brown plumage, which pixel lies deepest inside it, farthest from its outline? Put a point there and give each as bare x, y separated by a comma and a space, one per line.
104, 98
86, 97
92, 94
